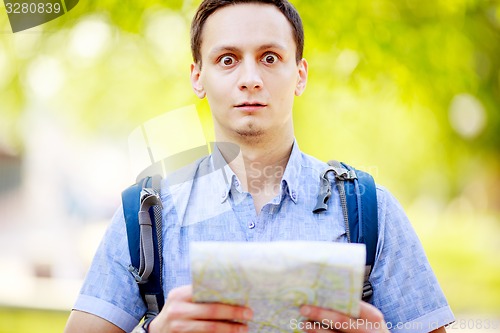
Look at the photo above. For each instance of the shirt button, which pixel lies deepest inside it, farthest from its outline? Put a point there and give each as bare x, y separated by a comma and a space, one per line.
294, 195
236, 182
251, 225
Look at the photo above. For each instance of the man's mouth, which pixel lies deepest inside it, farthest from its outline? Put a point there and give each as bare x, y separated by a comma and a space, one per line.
250, 105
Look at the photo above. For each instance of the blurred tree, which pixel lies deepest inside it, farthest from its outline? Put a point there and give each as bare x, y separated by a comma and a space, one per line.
409, 89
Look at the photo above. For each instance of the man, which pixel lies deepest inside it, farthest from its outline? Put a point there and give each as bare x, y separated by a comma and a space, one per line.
248, 63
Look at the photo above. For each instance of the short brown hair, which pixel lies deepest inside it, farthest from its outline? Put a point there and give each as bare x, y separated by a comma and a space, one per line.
208, 7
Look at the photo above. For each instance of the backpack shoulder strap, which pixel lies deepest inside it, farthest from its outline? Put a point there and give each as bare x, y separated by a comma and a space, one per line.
362, 194
143, 219
358, 198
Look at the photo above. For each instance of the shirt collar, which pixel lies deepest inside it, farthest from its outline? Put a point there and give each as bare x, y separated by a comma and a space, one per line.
289, 181
229, 178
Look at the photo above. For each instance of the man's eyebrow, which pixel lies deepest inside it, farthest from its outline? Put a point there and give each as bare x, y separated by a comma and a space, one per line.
221, 49
233, 49
272, 46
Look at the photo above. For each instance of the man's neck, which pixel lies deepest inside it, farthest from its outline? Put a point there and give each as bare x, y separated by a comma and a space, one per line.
260, 168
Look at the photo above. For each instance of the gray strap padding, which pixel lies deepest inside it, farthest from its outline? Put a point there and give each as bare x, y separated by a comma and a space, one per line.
149, 198
152, 304
368, 270
156, 184
339, 170
146, 246
367, 286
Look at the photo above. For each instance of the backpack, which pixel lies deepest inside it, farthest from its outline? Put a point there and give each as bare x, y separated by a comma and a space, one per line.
143, 218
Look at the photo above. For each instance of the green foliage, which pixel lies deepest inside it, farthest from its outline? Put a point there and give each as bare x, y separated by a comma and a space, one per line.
462, 250
383, 75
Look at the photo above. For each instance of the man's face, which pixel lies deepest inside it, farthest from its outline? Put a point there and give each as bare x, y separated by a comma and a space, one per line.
249, 72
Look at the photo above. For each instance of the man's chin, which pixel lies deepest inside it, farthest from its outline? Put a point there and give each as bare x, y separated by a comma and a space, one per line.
251, 135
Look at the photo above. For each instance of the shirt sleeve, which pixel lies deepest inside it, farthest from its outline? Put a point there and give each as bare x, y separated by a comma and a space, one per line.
405, 287
109, 290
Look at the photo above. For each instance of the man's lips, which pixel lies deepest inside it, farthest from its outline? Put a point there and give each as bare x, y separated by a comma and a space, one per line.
250, 106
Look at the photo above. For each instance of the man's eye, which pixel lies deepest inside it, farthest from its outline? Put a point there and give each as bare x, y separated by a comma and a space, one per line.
270, 58
227, 60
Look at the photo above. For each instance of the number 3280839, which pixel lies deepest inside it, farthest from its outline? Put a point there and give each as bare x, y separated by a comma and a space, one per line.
33, 8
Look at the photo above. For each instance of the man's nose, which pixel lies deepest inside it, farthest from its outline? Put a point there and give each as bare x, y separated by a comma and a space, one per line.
250, 76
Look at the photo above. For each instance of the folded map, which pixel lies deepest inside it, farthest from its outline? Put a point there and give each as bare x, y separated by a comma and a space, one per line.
275, 278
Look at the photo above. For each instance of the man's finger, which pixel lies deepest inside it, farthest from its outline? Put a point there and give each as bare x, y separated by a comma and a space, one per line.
183, 293
370, 320
318, 314
200, 326
370, 313
209, 311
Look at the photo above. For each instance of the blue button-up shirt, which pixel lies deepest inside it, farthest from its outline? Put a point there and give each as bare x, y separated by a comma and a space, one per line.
205, 202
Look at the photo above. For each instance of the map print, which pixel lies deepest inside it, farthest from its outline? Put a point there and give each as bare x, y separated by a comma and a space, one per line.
275, 278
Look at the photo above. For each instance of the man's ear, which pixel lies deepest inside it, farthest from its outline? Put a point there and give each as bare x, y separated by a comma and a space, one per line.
196, 80
302, 77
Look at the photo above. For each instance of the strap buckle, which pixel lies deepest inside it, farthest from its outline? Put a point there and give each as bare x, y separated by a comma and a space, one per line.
367, 290
344, 174
149, 197
135, 273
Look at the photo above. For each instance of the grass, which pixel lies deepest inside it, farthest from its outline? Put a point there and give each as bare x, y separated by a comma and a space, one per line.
13, 320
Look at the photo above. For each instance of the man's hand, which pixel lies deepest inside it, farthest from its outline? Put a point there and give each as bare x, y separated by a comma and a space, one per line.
370, 320
180, 314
